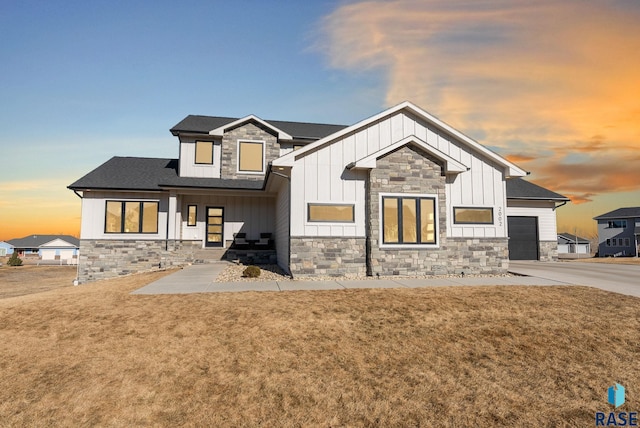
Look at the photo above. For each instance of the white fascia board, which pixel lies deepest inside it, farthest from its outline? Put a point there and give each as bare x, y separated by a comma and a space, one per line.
219, 132
451, 165
511, 169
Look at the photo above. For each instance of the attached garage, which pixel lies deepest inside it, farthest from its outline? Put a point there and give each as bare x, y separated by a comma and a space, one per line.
523, 238
531, 221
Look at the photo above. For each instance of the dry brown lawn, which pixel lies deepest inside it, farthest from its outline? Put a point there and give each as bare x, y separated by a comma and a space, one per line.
29, 279
94, 355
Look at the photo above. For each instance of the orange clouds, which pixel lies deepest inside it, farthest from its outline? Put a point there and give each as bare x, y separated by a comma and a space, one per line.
554, 84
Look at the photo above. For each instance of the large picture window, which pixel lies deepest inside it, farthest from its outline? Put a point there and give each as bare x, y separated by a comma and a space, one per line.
204, 152
131, 217
468, 215
251, 156
339, 213
409, 220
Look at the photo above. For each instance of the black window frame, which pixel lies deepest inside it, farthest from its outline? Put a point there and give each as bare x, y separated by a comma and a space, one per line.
455, 221
195, 154
140, 220
195, 223
418, 242
328, 204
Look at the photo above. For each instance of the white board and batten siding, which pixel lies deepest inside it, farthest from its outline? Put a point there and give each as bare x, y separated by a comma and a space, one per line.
543, 210
249, 214
188, 166
321, 176
94, 205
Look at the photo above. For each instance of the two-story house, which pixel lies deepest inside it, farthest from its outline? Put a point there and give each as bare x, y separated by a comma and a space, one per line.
619, 232
398, 193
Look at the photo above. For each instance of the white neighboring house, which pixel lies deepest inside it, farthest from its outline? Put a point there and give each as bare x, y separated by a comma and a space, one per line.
6, 249
63, 248
572, 244
398, 193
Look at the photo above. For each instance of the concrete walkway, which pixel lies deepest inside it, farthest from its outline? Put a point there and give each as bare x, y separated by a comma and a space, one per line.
200, 279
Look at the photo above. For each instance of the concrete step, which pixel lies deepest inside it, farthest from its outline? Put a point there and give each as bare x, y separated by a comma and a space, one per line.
209, 255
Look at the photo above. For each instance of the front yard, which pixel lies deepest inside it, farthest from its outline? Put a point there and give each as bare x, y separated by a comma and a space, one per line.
463, 356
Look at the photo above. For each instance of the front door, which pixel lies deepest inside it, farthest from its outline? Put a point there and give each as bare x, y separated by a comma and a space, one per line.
215, 218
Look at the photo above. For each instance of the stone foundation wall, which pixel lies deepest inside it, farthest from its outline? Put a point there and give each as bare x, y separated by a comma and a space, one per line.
347, 257
328, 256
454, 256
548, 251
101, 259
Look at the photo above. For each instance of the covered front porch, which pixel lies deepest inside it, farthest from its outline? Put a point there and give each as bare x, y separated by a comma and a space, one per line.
238, 225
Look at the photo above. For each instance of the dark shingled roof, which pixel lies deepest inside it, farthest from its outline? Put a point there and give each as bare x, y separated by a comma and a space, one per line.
518, 188
568, 237
151, 174
34, 241
620, 213
298, 130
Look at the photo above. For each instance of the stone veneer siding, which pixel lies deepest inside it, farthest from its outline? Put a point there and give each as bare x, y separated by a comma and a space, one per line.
411, 170
101, 259
548, 251
229, 149
333, 256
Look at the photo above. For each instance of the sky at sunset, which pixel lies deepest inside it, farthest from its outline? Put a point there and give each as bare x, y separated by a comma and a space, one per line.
553, 86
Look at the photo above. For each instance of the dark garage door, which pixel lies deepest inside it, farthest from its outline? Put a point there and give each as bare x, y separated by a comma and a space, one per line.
523, 238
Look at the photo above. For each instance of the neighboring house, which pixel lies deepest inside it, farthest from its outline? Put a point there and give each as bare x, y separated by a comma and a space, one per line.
619, 232
47, 247
531, 218
572, 244
5, 249
398, 193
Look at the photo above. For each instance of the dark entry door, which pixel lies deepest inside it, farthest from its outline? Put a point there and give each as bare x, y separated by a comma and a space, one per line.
523, 238
215, 224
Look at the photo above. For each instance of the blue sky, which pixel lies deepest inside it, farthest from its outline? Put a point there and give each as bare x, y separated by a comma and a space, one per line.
552, 84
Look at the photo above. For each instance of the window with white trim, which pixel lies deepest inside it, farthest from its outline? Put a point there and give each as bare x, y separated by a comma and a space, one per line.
408, 220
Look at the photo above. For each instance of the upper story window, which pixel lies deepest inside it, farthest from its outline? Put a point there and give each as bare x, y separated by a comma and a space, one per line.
617, 224
251, 156
204, 152
131, 217
408, 220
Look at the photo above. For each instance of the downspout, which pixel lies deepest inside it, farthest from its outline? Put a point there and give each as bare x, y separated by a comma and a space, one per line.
561, 205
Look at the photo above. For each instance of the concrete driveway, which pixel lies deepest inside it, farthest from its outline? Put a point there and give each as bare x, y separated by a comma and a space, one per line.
623, 279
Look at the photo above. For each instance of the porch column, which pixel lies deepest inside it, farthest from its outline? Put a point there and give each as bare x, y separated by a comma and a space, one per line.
171, 216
